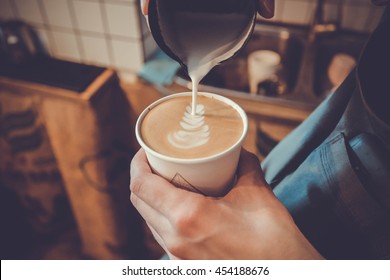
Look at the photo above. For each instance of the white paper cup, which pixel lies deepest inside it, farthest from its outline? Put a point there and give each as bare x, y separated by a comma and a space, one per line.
213, 175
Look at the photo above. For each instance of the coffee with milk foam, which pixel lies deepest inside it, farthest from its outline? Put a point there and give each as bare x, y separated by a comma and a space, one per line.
170, 128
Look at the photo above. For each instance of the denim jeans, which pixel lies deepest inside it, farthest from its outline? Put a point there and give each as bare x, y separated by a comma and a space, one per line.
337, 191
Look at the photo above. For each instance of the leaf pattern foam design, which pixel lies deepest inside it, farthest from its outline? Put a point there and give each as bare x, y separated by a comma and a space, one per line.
194, 132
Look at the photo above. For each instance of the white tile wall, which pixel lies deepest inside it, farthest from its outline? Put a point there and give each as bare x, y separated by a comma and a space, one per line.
96, 50
66, 46
123, 20
89, 16
127, 53
101, 32
29, 10
114, 33
58, 13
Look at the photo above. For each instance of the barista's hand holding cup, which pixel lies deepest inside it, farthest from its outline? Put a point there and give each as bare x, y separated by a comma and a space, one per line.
197, 152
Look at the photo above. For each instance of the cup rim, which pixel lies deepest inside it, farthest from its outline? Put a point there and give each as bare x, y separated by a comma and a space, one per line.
149, 150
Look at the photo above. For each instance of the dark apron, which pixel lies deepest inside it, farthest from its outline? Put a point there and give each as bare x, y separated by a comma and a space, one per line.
333, 171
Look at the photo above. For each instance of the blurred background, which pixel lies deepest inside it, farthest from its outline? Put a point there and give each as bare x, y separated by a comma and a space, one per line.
74, 76
113, 32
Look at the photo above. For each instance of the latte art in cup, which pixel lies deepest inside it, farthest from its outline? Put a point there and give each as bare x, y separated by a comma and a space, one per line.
172, 130
194, 132
197, 152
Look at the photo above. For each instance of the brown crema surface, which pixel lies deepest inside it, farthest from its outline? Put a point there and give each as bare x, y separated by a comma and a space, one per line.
225, 127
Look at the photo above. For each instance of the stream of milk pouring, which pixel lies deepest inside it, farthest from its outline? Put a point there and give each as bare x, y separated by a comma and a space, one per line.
203, 60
